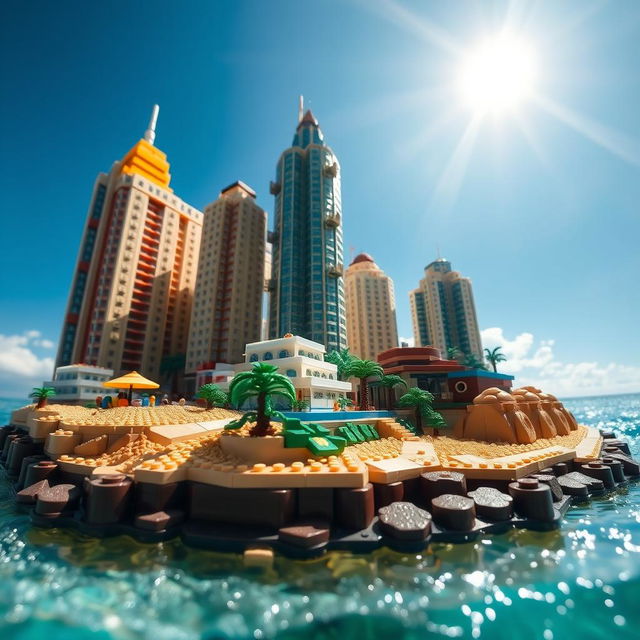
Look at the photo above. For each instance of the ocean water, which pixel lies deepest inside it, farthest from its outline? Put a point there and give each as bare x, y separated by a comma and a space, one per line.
582, 581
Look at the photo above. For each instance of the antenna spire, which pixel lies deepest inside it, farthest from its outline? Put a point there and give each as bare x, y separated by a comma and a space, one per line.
300, 108
150, 133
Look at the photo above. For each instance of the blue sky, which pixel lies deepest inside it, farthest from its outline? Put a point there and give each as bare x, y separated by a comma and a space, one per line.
546, 223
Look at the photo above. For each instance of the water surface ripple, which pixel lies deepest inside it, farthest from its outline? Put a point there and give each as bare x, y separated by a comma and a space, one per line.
582, 581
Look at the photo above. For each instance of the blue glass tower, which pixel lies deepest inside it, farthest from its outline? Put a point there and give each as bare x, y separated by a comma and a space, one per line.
307, 286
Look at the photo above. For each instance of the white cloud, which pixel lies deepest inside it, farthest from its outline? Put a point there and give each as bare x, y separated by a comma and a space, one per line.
536, 364
409, 341
20, 367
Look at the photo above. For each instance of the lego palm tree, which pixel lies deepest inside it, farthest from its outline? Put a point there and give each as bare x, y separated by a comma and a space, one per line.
213, 395
42, 394
260, 383
363, 369
453, 353
422, 402
341, 358
493, 356
299, 405
389, 382
343, 402
473, 362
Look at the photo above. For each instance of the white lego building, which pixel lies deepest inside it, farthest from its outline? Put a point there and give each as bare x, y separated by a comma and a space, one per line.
79, 383
315, 380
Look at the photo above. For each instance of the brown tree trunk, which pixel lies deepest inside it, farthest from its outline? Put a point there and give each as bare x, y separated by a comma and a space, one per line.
364, 394
42, 402
418, 420
495, 369
262, 419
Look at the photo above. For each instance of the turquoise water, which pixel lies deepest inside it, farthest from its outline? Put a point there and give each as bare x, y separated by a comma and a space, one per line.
581, 582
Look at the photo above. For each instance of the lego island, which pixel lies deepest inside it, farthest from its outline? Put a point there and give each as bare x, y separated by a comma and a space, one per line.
303, 482
295, 443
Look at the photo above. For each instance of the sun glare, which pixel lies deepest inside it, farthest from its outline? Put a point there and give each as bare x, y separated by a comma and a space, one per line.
498, 76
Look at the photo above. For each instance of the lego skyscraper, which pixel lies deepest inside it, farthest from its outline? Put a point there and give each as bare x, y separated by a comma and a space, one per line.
131, 295
307, 285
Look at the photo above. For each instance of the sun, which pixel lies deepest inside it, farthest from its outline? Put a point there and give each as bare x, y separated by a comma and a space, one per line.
497, 76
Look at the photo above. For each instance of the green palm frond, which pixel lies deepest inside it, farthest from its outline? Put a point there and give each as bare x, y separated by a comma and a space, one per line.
358, 368
392, 380
42, 392
415, 397
263, 378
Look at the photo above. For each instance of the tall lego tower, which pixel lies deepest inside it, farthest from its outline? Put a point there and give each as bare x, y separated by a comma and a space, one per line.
444, 312
131, 295
307, 286
227, 309
371, 309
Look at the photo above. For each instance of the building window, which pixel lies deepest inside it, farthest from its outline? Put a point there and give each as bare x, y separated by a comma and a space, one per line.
291, 373
460, 386
254, 357
268, 356
283, 354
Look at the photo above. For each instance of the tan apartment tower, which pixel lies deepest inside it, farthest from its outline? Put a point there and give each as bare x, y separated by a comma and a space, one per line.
443, 311
227, 312
131, 295
371, 309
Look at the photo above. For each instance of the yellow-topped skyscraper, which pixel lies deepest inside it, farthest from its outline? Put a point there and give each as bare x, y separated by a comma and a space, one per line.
132, 289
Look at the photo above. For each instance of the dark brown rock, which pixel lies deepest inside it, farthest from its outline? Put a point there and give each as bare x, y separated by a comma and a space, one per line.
560, 469
492, 504
53, 501
39, 471
531, 499
354, 508
573, 487
616, 468
151, 497
29, 494
159, 520
452, 511
552, 482
7, 444
315, 503
260, 507
404, 521
385, 494
437, 483
305, 534
107, 498
593, 484
600, 471
629, 465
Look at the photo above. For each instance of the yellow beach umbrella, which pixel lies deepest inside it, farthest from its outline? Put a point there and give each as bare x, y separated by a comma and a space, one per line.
132, 380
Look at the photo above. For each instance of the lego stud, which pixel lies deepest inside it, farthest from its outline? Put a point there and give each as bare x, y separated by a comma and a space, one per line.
528, 483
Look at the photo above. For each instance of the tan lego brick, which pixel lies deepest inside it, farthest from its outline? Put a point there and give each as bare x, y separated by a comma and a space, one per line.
167, 434
258, 558
590, 447
92, 448
213, 475
118, 442
42, 427
161, 475
61, 442
393, 470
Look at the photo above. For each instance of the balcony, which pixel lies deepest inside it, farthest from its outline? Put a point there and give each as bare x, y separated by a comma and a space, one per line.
332, 220
330, 170
335, 270
274, 188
